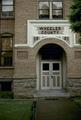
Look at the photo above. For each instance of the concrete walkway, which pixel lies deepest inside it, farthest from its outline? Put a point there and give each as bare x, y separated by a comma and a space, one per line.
60, 109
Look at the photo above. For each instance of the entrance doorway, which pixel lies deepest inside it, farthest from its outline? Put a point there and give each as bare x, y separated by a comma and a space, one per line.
51, 75
51, 67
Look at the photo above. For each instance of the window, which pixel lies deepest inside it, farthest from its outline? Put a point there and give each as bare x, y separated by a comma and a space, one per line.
6, 51
55, 66
45, 66
51, 9
57, 10
5, 86
7, 8
43, 10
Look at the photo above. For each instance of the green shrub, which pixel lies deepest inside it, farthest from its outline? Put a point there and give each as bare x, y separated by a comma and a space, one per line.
7, 95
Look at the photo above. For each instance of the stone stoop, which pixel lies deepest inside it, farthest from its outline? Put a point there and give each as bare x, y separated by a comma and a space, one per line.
51, 93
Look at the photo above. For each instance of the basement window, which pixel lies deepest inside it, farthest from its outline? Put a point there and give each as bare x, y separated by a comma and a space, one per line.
5, 86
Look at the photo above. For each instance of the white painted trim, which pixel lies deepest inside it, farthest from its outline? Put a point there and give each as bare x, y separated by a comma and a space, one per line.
49, 38
21, 45
26, 45
49, 21
37, 72
29, 33
74, 38
50, 10
77, 45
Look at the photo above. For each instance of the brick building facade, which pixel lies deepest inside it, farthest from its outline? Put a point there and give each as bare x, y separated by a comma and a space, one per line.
38, 50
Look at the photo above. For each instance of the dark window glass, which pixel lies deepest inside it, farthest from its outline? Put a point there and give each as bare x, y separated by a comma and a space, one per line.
45, 66
6, 53
43, 10
6, 59
5, 86
55, 66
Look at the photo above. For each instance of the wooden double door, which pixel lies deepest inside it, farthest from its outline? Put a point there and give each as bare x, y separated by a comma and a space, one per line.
51, 76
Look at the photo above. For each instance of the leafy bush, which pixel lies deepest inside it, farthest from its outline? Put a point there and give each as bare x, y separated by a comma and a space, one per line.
7, 95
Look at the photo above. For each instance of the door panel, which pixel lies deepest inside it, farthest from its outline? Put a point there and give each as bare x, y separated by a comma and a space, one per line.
56, 73
50, 75
45, 75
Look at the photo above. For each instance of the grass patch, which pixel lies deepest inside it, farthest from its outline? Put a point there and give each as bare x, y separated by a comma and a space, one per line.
15, 109
6, 95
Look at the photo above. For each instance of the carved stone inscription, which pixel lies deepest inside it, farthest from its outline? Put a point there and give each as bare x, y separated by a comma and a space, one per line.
50, 30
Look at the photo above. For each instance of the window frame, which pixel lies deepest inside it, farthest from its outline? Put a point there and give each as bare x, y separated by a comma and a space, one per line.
7, 14
5, 89
51, 9
48, 10
58, 9
5, 62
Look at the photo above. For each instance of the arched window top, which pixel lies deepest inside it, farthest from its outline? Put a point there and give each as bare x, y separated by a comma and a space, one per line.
6, 35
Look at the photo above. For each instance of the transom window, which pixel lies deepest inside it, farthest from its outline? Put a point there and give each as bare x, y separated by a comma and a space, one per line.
7, 7
6, 51
52, 9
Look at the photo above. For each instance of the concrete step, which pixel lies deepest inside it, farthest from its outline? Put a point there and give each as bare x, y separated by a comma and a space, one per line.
51, 93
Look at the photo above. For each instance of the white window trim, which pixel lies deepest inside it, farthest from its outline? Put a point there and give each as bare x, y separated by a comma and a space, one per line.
50, 8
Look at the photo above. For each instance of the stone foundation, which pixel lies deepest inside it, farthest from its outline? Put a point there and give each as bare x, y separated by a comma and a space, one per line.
74, 86
24, 88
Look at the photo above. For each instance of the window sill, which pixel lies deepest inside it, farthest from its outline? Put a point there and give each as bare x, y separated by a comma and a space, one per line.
7, 18
6, 67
